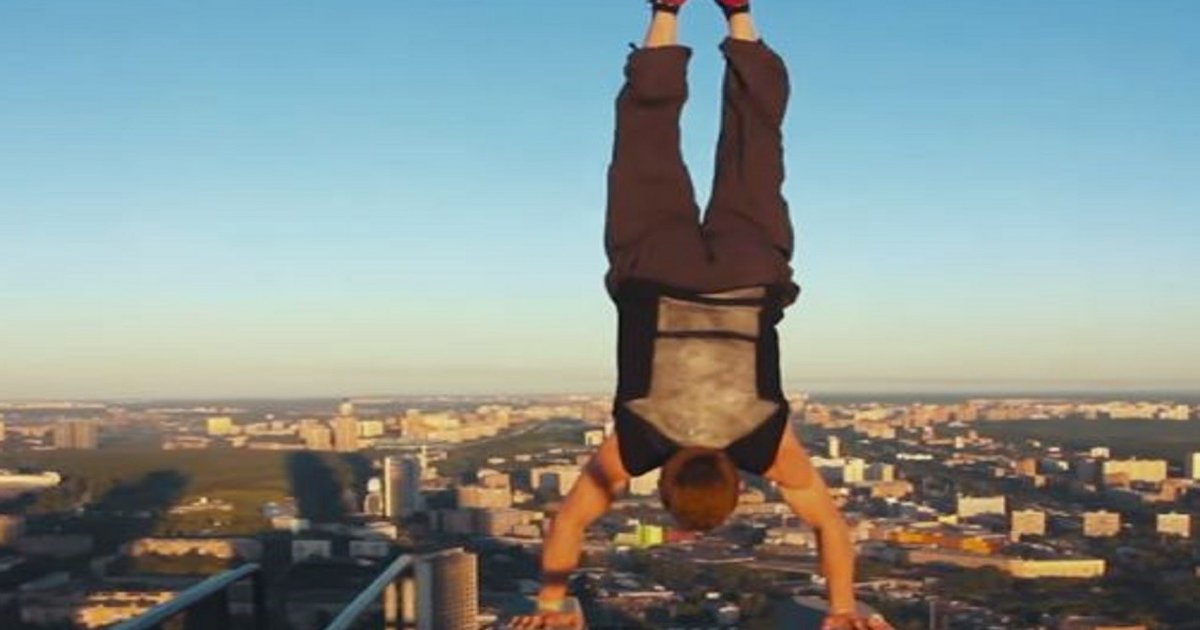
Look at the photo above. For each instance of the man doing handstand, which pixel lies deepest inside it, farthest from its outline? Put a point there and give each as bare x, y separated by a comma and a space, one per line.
699, 390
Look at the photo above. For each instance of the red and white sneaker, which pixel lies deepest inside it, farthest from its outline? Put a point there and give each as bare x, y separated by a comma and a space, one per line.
733, 6
670, 6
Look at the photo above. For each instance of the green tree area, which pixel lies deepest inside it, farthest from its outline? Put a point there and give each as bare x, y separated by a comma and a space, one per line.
1146, 438
146, 483
537, 440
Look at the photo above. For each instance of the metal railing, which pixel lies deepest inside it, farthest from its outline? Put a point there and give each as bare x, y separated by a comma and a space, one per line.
206, 605
396, 585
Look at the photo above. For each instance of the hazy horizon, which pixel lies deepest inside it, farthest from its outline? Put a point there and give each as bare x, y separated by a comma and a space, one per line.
1188, 393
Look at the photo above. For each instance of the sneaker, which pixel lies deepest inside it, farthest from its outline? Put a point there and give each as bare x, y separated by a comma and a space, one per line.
670, 6
734, 6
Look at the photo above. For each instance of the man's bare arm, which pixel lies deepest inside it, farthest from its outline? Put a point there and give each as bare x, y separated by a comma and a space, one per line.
603, 477
805, 492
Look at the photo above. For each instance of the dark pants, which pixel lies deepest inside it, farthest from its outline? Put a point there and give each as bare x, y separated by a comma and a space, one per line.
654, 230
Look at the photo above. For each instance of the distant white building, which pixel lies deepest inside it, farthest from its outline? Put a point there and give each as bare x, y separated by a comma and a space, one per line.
880, 472
1181, 413
645, 485
854, 471
593, 437
556, 478
841, 471
1027, 523
1192, 466
1175, 524
483, 497
369, 548
978, 506
1101, 524
304, 549
1149, 470
219, 425
370, 428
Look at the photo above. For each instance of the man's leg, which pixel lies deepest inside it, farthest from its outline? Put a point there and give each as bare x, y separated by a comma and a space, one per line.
747, 209
652, 224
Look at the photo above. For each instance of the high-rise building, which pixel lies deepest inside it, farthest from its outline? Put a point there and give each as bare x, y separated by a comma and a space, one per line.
1027, 523
1101, 524
401, 487
835, 447
219, 425
345, 434
1191, 466
76, 434
345, 428
447, 591
427, 471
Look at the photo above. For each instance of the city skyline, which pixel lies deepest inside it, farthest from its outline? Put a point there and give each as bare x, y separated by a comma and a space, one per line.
1010, 492
228, 200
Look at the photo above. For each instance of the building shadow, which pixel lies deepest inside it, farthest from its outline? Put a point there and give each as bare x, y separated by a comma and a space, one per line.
360, 470
132, 509
316, 487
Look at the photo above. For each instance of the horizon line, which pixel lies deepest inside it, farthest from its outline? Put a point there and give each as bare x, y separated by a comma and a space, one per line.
882, 387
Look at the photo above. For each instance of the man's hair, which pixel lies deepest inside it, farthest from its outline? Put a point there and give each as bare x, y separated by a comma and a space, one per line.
699, 486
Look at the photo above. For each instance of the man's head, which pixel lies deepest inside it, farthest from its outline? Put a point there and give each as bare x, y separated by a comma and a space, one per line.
699, 486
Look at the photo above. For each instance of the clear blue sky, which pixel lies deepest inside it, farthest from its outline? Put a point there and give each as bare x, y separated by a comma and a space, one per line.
284, 198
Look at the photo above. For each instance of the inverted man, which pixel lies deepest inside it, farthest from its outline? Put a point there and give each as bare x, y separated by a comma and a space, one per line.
699, 390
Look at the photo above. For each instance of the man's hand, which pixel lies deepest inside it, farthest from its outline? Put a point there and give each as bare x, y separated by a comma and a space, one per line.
547, 621
852, 621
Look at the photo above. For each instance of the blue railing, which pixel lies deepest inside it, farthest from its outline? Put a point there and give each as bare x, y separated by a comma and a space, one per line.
396, 587
206, 605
